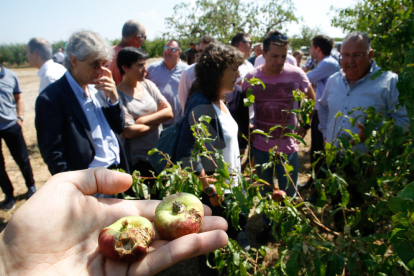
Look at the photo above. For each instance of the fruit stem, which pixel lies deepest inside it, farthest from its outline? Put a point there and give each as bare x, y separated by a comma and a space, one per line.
178, 208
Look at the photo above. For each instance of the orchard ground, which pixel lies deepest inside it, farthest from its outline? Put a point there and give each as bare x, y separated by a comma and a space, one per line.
30, 83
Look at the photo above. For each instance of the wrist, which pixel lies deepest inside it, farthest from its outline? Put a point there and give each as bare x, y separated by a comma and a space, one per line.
21, 118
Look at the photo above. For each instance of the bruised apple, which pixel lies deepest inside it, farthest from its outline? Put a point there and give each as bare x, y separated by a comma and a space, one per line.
278, 195
127, 239
178, 215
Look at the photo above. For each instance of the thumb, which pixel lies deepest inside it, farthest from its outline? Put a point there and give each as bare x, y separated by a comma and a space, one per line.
96, 180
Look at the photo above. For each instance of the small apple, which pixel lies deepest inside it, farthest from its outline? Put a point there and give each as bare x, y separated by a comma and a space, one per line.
178, 215
127, 239
278, 195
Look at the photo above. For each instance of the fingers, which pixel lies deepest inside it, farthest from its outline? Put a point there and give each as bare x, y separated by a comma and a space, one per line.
177, 250
96, 180
209, 224
107, 72
146, 208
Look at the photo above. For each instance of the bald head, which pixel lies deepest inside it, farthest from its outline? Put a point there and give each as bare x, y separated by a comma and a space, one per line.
132, 28
133, 34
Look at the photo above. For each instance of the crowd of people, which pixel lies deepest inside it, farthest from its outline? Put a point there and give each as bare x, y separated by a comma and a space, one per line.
105, 108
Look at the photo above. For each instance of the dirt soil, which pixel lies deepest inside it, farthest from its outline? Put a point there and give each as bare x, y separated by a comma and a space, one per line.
30, 84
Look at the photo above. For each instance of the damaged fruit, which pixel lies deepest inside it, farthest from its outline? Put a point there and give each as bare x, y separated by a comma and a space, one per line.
278, 195
178, 215
127, 239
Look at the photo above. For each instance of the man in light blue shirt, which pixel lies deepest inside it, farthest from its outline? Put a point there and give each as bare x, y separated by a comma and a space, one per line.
353, 87
320, 50
166, 76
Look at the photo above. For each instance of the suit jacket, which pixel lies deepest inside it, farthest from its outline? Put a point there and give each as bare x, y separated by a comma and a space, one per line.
63, 132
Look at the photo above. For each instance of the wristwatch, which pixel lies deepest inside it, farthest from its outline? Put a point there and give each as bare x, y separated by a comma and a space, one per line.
21, 118
210, 191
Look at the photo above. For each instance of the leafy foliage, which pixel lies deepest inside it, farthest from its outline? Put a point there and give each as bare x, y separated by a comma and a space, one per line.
222, 19
390, 24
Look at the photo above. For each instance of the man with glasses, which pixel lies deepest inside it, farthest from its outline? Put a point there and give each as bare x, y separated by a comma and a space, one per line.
79, 117
133, 35
166, 76
353, 87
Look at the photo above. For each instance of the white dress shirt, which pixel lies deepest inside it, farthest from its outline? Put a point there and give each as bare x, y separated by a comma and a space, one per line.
49, 73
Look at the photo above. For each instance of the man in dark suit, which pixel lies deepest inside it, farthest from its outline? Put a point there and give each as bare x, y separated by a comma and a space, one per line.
79, 117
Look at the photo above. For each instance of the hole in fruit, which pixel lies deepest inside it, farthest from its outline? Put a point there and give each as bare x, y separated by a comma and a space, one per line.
131, 237
195, 215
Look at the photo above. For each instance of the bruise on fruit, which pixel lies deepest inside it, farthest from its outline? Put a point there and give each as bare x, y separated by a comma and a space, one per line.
132, 237
195, 215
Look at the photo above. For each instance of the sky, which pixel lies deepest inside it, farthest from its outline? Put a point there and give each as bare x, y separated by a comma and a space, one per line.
20, 20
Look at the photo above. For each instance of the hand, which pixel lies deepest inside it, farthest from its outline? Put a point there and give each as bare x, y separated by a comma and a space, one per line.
302, 132
56, 231
107, 85
162, 105
361, 134
20, 122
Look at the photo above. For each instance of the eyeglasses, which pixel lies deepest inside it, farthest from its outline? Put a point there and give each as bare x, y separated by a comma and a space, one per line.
173, 50
278, 37
356, 56
143, 36
96, 66
248, 42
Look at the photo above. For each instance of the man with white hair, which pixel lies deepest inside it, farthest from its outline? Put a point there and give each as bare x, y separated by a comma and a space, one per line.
352, 87
79, 117
133, 35
39, 55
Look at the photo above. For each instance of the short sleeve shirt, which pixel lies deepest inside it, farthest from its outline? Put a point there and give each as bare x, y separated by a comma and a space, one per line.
167, 82
270, 105
9, 85
137, 148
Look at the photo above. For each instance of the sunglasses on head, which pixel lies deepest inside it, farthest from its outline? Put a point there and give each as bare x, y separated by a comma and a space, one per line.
173, 50
278, 37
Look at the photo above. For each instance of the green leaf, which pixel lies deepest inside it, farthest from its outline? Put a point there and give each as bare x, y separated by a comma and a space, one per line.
407, 192
398, 204
320, 269
205, 118
297, 137
243, 271
345, 143
236, 258
292, 265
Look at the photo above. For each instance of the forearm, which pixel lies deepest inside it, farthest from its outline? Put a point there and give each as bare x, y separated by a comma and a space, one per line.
311, 94
138, 130
156, 118
19, 105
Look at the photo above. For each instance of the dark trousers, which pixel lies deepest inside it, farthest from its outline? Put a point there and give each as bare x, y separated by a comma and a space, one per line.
316, 145
13, 137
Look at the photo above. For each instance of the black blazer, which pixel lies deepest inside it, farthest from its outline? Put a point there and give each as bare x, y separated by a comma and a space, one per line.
63, 132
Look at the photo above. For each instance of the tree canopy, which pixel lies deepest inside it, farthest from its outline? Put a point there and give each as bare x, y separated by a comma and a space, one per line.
224, 18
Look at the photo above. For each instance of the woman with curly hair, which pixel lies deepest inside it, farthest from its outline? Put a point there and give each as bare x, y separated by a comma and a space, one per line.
216, 75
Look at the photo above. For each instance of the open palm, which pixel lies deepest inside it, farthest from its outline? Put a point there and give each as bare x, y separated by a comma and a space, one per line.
56, 231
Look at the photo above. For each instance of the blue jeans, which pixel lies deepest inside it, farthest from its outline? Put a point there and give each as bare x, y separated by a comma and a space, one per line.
261, 157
